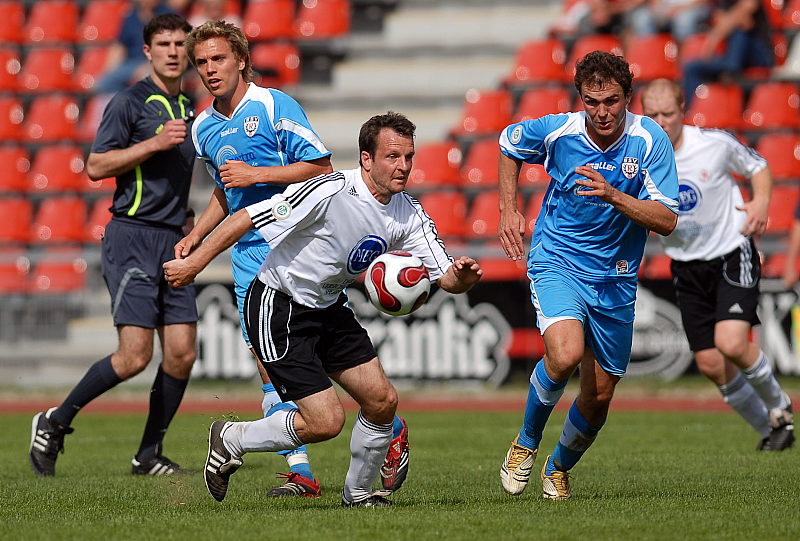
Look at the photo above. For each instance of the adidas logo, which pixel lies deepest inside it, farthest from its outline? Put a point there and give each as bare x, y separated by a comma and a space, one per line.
735, 309
352, 191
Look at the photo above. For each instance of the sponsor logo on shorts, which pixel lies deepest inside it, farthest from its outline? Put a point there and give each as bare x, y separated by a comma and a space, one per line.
251, 125
630, 166
367, 249
735, 309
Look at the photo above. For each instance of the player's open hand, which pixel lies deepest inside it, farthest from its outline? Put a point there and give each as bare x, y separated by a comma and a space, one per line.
510, 230
756, 222
597, 184
236, 174
180, 272
173, 133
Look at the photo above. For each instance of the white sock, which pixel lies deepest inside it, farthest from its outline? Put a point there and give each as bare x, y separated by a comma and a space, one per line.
273, 433
762, 379
368, 446
270, 399
744, 400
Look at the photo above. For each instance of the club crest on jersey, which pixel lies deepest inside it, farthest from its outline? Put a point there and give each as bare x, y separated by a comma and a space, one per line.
281, 210
630, 166
251, 125
516, 134
367, 249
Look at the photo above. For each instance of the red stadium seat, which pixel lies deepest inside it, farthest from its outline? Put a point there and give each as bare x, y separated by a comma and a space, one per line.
266, 20
539, 61
773, 105
538, 102
51, 21
277, 63
586, 44
656, 267
14, 272
533, 175
56, 168
483, 217
99, 217
480, 167
781, 209
485, 112
101, 21
91, 66
14, 166
322, 19
782, 152
532, 209
60, 220
716, 105
9, 69
448, 209
51, 119
791, 15
11, 118
12, 14
435, 164
91, 116
776, 265
58, 274
48, 70
17, 213
653, 57
232, 8
691, 47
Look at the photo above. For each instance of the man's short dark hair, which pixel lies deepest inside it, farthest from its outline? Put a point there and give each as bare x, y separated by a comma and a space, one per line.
368, 136
165, 21
599, 67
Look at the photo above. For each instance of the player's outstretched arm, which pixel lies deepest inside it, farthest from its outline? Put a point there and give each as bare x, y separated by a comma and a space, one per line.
512, 222
181, 272
757, 208
650, 214
236, 174
464, 273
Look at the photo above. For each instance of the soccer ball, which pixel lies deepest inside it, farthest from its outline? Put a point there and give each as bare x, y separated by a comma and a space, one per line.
397, 283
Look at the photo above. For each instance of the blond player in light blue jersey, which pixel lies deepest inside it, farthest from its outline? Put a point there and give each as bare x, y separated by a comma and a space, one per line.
613, 180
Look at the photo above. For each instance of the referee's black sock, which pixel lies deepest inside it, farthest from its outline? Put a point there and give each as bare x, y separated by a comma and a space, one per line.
165, 397
98, 379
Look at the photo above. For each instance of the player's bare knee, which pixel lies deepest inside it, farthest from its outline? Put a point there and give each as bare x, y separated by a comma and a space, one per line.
129, 364
733, 349
323, 427
382, 404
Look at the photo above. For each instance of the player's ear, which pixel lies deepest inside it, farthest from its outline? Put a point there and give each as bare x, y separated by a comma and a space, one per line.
366, 160
146, 49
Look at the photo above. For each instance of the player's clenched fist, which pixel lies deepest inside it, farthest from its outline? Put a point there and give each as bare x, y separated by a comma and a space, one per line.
173, 133
180, 272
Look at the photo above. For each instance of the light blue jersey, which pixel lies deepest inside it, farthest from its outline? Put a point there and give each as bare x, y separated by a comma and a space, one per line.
267, 128
586, 236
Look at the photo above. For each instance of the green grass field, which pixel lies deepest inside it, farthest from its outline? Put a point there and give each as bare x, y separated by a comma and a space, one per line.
681, 476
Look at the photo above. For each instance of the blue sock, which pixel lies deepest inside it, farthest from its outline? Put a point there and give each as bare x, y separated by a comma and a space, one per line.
575, 439
302, 465
543, 394
268, 388
397, 426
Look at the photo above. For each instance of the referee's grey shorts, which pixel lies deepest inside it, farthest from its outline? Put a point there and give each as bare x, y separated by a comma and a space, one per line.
132, 259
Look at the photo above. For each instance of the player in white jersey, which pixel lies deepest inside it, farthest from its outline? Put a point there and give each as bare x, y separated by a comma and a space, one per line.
715, 264
253, 142
324, 233
613, 179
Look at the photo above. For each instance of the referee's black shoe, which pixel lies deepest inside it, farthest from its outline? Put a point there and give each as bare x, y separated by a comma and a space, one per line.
374, 500
220, 463
157, 465
47, 440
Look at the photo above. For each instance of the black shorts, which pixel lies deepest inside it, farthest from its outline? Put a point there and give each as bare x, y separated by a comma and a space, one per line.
133, 256
299, 346
716, 290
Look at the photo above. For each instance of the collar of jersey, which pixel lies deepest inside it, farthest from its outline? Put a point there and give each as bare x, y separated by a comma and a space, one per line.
585, 134
245, 100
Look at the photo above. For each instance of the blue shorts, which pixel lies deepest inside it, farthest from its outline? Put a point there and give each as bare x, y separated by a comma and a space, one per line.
605, 309
133, 256
246, 259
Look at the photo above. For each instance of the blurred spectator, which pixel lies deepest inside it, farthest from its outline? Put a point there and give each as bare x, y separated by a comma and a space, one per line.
214, 10
681, 18
603, 16
126, 60
790, 274
743, 26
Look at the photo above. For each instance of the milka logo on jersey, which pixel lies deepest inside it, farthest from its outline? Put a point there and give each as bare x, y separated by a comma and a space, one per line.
251, 125
602, 166
688, 196
516, 135
630, 166
229, 131
367, 249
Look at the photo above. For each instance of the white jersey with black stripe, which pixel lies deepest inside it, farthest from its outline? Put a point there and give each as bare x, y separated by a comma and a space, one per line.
324, 232
708, 221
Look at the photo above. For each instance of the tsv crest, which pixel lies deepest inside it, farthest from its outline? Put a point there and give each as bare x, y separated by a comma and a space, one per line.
251, 125
630, 166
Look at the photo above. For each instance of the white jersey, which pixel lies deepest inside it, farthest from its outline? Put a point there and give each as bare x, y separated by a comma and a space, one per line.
708, 222
324, 232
